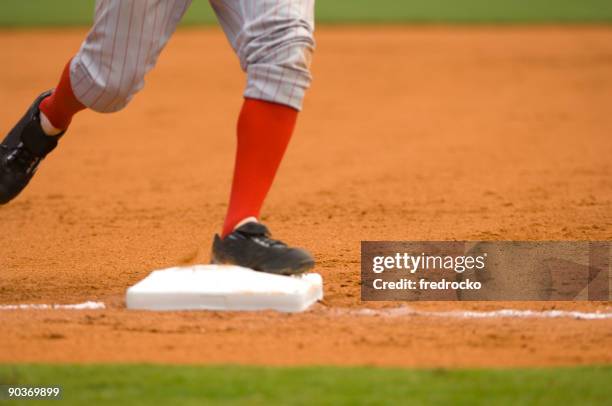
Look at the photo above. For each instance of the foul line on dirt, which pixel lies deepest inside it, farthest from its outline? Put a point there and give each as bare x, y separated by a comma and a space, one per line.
394, 312
471, 314
78, 306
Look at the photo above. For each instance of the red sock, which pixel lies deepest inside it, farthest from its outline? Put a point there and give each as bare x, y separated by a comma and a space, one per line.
264, 130
62, 104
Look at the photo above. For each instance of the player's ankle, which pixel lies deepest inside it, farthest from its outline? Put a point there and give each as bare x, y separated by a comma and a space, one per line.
48, 127
229, 227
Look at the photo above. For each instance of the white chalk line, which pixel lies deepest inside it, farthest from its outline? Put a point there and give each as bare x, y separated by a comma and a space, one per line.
473, 314
402, 311
89, 305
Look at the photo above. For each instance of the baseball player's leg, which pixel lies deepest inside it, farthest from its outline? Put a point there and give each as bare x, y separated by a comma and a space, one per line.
274, 42
122, 46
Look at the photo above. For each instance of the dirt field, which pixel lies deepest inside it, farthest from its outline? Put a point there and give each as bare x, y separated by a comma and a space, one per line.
407, 134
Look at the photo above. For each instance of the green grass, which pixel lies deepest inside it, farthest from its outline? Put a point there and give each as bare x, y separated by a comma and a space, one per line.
194, 385
15, 13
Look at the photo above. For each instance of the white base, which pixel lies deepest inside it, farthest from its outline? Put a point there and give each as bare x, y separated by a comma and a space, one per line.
222, 287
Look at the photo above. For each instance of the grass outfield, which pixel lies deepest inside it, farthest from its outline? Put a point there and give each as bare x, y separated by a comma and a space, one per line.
26, 13
194, 385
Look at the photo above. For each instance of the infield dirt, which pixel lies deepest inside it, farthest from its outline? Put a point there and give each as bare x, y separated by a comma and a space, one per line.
428, 133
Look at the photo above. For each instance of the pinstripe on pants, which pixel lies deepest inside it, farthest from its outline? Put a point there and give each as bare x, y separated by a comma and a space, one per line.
272, 38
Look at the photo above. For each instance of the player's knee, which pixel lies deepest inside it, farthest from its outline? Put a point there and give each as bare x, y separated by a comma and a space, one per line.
111, 97
278, 64
114, 97
105, 92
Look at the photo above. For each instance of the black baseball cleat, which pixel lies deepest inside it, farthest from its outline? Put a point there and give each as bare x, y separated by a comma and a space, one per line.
22, 150
250, 246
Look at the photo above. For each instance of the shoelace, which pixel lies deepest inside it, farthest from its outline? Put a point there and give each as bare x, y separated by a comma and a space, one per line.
263, 238
269, 241
22, 159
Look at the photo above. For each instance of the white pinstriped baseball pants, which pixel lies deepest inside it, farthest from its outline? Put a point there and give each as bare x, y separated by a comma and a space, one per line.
272, 38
